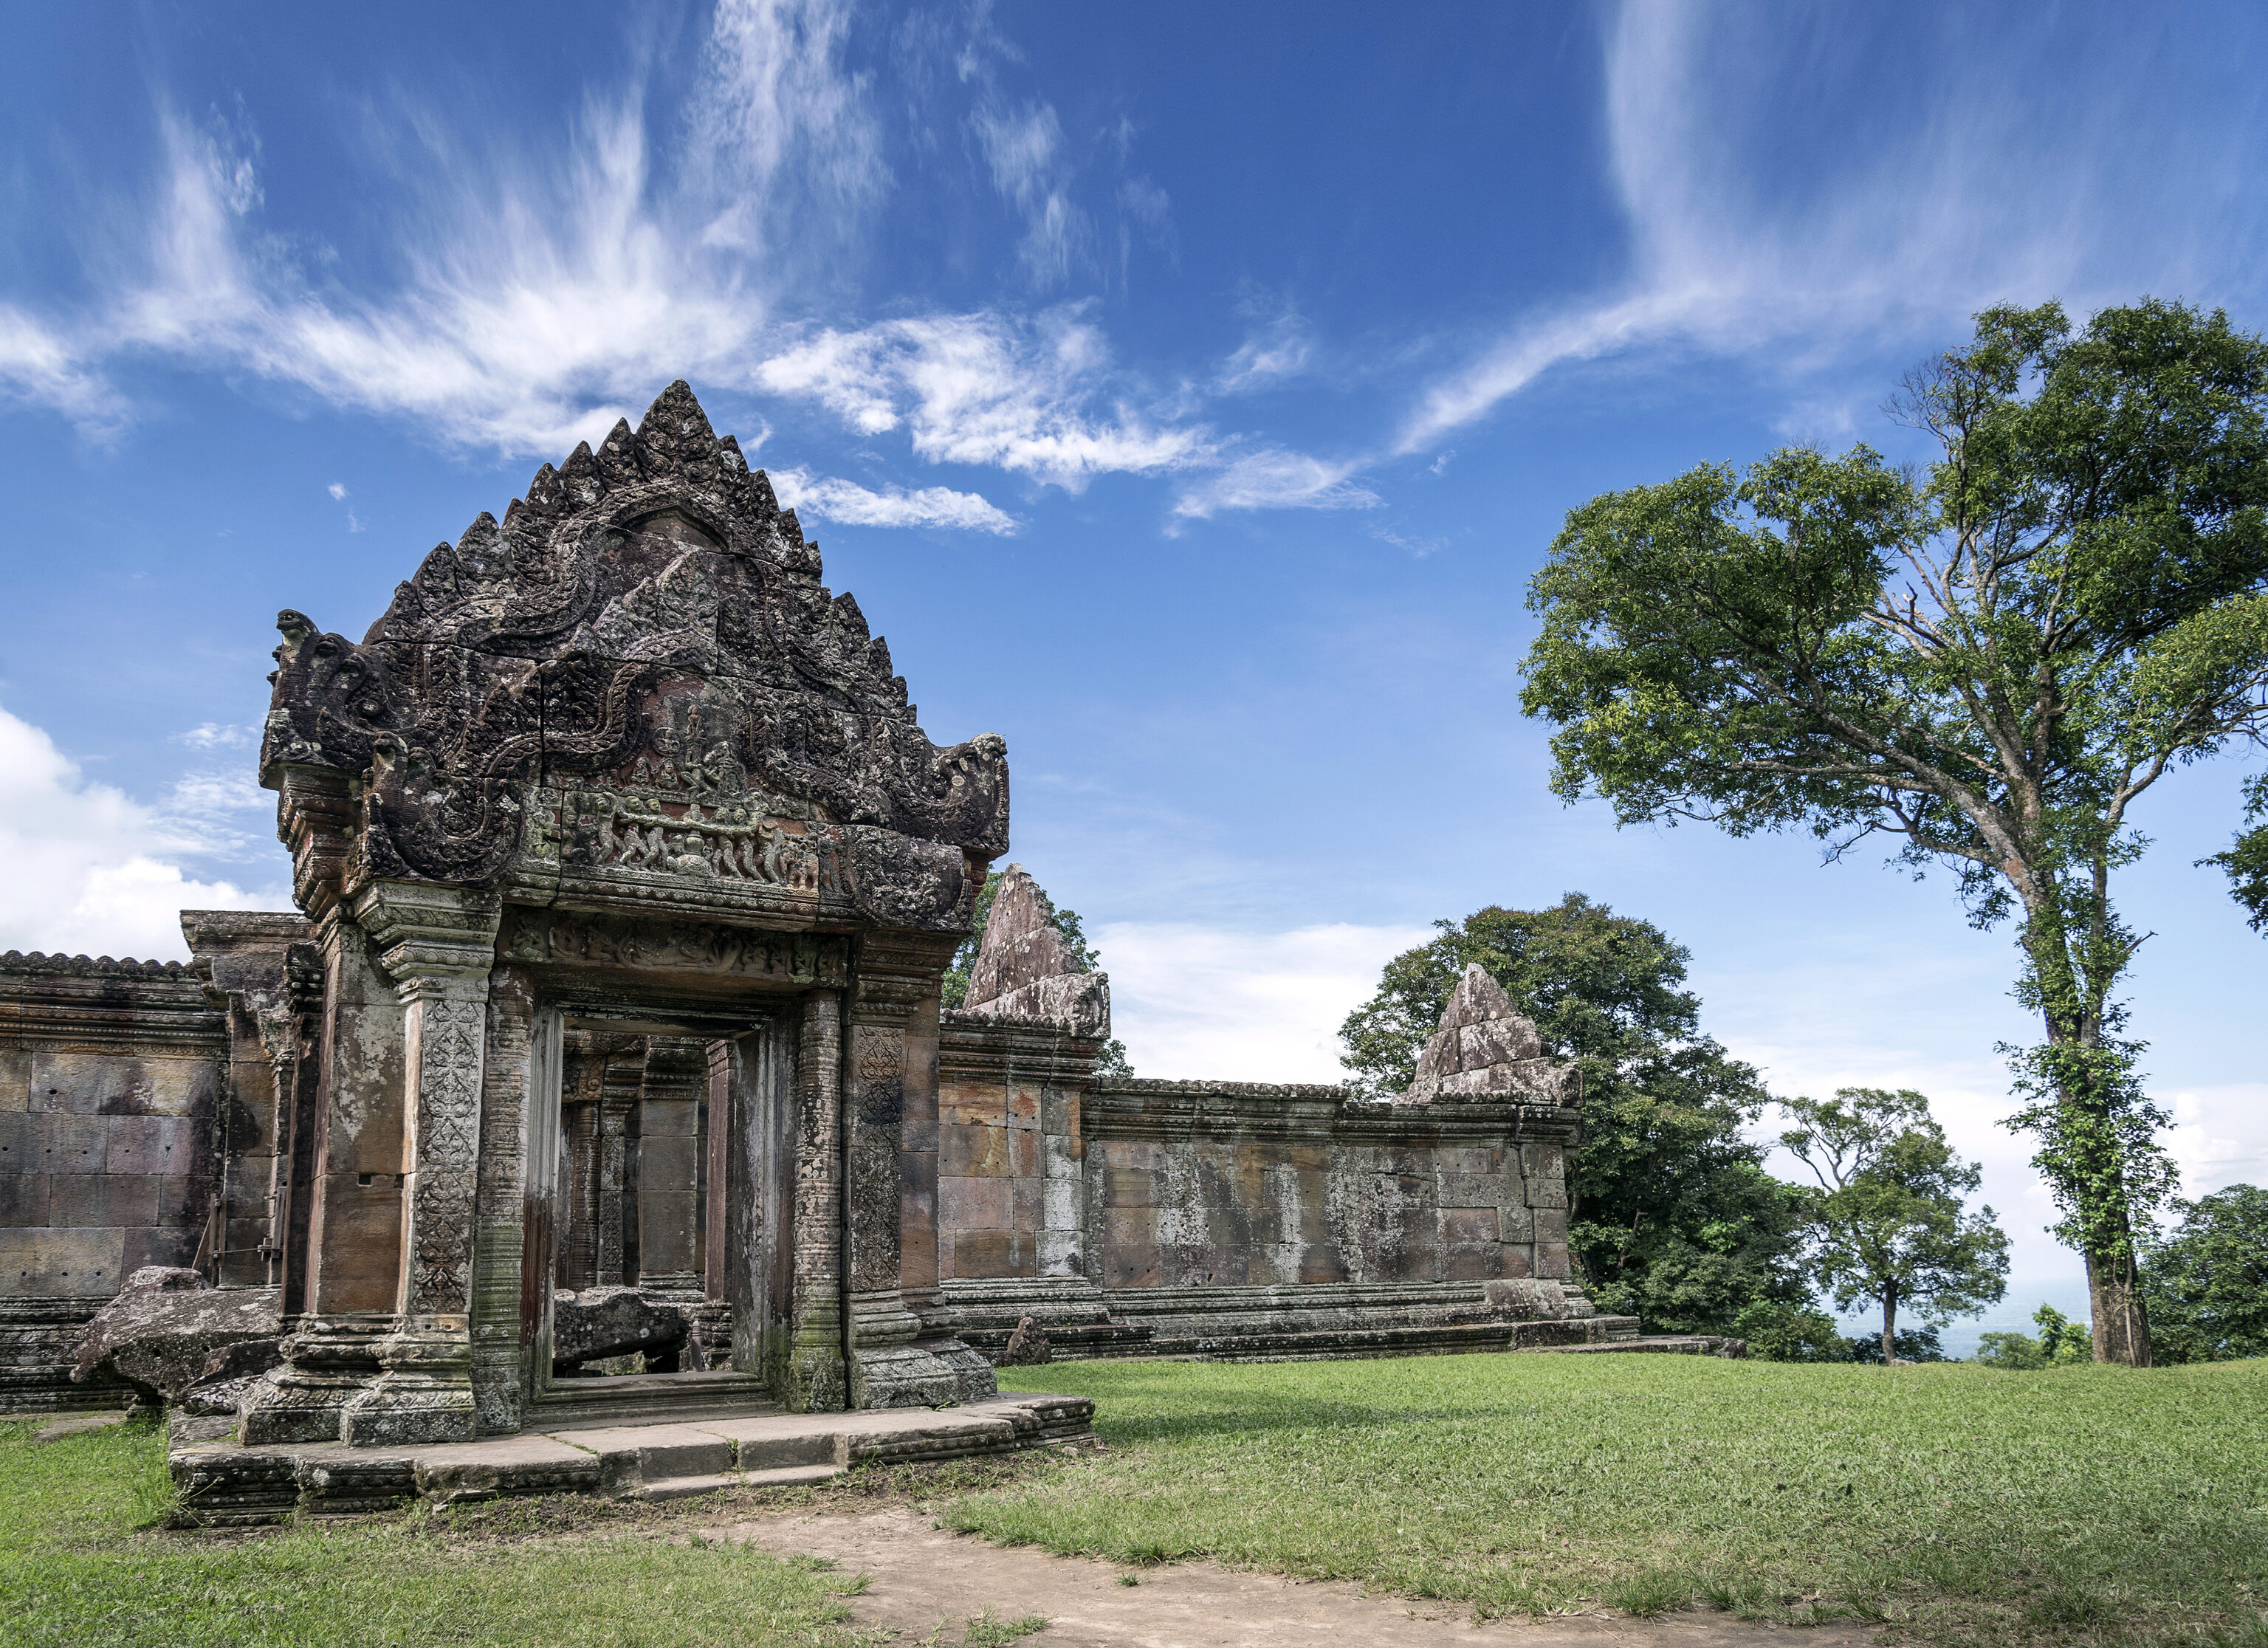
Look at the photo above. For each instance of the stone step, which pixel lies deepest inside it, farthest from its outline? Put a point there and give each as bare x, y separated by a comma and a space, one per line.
686, 1487
227, 1485
788, 1476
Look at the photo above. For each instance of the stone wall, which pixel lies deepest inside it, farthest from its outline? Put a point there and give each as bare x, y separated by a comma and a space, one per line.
1209, 1184
111, 1133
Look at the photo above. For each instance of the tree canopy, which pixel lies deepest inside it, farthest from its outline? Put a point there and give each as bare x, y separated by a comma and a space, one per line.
1673, 1217
1989, 660
2207, 1279
1889, 1223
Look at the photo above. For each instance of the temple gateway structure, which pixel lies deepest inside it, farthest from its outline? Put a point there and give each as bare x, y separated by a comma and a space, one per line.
627, 879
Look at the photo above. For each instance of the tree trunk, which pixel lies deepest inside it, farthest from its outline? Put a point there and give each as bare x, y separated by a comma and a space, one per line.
2122, 1322
1889, 1327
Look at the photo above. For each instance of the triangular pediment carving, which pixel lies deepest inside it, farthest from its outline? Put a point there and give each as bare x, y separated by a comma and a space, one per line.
642, 637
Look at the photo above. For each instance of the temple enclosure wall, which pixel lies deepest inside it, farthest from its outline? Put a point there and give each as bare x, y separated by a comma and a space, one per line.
604, 1071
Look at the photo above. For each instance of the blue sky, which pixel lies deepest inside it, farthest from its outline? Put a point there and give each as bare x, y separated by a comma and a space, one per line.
1186, 390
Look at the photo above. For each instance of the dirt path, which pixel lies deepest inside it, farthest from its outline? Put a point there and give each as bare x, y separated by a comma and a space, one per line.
923, 1577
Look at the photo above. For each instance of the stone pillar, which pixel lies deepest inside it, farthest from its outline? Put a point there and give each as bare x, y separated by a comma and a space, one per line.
902, 1353
439, 943
669, 1167
354, 1220
816, 1378
614, 1232
510, 1084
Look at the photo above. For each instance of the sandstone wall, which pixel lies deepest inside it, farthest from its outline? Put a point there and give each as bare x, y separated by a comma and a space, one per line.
111, 1077
1211, 1184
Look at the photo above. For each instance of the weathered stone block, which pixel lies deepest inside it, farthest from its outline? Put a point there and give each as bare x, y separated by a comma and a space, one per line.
977, 1254
38, 1141
15, 1081
1475, 1190
972, 1152
973, 1204
77, 1200
23, 1200
1128, 1187
159, 1144
171, 1245
1023, 1153
107, 1084
159, 1331
1468, 1225
81, 1263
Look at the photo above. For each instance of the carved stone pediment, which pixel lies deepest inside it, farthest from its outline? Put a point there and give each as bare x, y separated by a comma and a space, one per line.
637, 674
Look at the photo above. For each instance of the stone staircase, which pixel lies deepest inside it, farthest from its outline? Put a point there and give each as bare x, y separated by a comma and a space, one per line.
225, 1485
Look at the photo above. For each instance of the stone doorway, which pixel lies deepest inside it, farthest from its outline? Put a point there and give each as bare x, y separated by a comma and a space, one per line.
658, 1261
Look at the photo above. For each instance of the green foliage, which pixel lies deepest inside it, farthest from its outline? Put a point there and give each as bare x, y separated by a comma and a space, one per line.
1889, 1223
2062, 1344
1942, 1501
1084, 959
2207, 1280
1989, 661
2246, 861
1674, 1218
1910, 1344
1776, 1331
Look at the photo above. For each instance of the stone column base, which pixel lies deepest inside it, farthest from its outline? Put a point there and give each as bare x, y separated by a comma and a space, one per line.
891, 1365
426, 1393
328, 1363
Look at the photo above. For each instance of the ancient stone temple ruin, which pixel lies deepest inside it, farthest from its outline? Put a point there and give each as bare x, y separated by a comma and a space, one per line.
601, 1072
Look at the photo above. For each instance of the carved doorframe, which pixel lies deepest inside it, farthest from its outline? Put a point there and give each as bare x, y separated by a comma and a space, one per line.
761, 1062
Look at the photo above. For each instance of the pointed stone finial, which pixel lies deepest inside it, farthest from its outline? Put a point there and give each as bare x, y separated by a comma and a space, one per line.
618, 457
1025, 970
1485, 1049
674, 435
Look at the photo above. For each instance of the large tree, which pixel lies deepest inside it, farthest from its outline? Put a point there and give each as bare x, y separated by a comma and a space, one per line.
1673, 1215
1991, 658
1888, 1224
2207, 1279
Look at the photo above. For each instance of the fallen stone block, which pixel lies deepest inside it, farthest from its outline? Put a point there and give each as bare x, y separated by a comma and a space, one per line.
165, 1323
1028, 1346
603, 1322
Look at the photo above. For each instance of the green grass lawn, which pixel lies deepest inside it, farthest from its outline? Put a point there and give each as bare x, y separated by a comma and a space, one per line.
81, 1564
1961, 1503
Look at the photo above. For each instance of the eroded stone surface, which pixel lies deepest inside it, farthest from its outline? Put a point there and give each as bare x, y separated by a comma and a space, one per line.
1486, 1048
163, 1324
612, 1321
1024, 970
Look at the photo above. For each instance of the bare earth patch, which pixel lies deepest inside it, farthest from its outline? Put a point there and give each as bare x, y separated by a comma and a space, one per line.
925, 1585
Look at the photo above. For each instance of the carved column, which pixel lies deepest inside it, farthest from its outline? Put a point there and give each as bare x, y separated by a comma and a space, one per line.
354, 1219
439, 943
903, 1353
816, 1381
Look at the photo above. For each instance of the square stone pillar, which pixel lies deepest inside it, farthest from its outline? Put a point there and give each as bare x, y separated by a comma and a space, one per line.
816, 1379
439, 943
901, 1350
669, 1167
353, 1253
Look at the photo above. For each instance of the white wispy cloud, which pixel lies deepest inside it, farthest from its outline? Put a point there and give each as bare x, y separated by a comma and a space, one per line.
216, 735
1993, 190
1025, 152
1278, 349
91, 869
855, 506
1274, 478
1023, 394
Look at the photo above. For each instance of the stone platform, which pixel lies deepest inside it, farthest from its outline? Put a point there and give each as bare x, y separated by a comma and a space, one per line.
225, 1485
